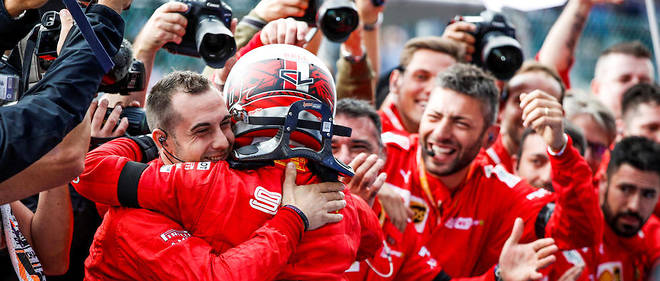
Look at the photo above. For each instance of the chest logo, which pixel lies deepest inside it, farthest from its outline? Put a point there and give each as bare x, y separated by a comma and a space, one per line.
266, 201
610, 271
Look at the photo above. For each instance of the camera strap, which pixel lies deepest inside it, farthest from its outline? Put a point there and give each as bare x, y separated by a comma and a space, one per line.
83, 24
30, 44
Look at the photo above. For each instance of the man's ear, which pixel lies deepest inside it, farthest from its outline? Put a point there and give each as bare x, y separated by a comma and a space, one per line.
595, 86
492, 133
395, 81
159, 137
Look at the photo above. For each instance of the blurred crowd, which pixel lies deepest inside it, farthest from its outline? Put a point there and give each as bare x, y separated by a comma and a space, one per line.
464, 162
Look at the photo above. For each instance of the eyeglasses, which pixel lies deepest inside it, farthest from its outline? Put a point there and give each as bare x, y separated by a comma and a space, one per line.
597, 148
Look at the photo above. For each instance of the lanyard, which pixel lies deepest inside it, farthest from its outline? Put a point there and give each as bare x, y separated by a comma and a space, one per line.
424, 181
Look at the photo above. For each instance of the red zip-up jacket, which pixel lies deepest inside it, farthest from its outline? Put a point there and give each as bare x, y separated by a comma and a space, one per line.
224, 207
465, 230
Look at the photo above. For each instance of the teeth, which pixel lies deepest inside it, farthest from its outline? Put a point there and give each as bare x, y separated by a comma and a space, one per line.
443, 150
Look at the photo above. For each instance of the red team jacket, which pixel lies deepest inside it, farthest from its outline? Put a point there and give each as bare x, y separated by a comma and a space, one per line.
465, 231
391, 120
224, 207
616, 258
498, 155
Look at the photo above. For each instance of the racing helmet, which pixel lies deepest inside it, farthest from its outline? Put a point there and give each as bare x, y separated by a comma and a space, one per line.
282, 101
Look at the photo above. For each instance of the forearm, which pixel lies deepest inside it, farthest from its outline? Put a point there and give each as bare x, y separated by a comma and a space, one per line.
57, 167
13, 30
52, 229
56, 104
247, 28
576, 221
371, 42
558, 49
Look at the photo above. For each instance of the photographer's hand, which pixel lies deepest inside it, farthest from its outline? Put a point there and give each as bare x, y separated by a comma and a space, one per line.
106, 130
16, 7
460, 32
271, 10
285, 31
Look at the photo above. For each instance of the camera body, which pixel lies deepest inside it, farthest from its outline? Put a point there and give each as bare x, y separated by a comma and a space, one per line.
336, 18
137, 120
496, 47
49, 34
208, 33
133, 81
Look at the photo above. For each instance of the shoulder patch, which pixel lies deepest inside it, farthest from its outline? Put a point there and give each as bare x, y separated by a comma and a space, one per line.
400, 140
507, 178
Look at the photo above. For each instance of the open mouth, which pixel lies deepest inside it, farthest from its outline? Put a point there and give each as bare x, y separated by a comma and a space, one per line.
441, 152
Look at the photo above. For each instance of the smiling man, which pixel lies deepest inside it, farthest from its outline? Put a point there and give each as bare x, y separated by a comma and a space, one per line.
421, 60
464, 206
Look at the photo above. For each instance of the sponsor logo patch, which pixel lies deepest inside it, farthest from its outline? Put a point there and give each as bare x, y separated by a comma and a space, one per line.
266, 201
174, 236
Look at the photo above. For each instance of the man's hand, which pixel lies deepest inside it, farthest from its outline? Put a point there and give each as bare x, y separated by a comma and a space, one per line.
319, 202
367, 11
167, 24
367, 181
66, 23
460, 32
395, 207
16, 7
271, 10
544, 114
107, 129
520, 262
285, 31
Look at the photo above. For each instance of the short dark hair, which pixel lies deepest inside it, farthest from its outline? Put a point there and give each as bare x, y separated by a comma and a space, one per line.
631, 48
470, 80
579, 140
639, 94
159, 111
359, 108
639, 152
535, 66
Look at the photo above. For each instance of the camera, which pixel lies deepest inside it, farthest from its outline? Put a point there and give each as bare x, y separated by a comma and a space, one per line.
137, 120
208, 33
128, 75
496, 47
336, 18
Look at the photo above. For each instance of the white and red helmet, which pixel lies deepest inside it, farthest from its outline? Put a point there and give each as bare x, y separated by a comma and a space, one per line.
282, 99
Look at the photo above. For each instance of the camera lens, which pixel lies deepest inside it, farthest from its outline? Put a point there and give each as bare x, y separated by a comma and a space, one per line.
501, 55
215, 42
504, 61
338, 19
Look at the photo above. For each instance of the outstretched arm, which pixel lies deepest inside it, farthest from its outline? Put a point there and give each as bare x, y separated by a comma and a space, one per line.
558, 49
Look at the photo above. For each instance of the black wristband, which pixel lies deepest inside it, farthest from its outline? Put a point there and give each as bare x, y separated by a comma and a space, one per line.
300, 213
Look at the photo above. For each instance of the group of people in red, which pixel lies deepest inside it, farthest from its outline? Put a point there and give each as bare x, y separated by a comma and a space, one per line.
457, 176
267, 169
